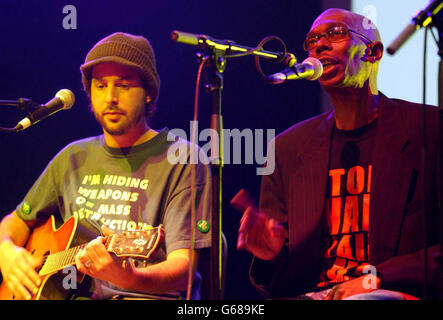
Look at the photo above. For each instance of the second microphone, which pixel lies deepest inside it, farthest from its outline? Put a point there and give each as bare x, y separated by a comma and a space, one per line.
310, 69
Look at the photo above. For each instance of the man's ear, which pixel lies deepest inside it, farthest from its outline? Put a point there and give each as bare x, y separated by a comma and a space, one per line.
148, 99
374, 52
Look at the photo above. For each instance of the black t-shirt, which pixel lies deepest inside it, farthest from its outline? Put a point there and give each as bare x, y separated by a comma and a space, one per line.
347, 203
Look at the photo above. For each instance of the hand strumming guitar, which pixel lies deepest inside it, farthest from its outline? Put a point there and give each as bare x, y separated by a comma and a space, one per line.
17, 265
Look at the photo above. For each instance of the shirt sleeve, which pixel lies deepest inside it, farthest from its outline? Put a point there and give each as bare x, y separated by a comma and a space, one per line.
179, 229
43, 197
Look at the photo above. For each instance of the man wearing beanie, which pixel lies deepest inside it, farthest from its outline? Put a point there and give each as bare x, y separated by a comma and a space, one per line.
112, 183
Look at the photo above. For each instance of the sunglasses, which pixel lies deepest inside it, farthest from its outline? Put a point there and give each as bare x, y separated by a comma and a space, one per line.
333, 34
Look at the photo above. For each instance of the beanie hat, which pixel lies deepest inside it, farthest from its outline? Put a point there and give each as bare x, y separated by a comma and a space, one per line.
128, 50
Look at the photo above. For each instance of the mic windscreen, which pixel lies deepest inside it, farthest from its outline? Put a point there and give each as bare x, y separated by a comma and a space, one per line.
67, 97
318, 68
184, 37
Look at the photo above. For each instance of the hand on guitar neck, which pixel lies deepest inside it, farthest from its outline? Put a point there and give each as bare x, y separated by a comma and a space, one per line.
96, 261
260, 235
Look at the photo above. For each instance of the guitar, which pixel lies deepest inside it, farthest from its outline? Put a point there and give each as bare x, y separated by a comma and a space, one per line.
54, 247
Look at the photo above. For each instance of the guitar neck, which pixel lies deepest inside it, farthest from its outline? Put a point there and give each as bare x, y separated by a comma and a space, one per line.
135, 244
60, 260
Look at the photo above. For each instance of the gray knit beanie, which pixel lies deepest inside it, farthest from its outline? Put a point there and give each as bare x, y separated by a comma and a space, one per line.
125, 49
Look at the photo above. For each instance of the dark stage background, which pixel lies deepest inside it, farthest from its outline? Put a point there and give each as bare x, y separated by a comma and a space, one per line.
39, 57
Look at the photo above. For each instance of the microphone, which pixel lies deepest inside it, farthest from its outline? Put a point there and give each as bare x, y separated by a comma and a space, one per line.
310, 69
64, 99
187, 38
422, 19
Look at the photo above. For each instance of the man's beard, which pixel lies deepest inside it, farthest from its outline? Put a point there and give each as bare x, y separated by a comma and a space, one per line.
117, 130
125, 123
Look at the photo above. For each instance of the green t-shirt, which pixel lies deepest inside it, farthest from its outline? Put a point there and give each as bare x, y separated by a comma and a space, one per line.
125, 189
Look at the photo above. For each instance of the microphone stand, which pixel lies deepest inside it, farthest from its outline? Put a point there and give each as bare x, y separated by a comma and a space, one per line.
218, 63
218, 55
219, 52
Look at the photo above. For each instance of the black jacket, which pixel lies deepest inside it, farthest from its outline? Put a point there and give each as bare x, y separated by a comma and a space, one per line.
295, 195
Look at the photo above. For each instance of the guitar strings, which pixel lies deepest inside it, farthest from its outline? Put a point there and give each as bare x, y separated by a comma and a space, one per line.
57, 261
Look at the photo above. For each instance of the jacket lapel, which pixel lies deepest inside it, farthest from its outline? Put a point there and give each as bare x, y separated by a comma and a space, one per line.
390, 181
308, 183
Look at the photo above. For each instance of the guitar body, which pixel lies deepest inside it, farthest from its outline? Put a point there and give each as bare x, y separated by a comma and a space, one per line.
45, 239
58, 248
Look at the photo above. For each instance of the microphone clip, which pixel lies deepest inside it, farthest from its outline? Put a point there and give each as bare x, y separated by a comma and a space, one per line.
23, 104
27, 105
290, 59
